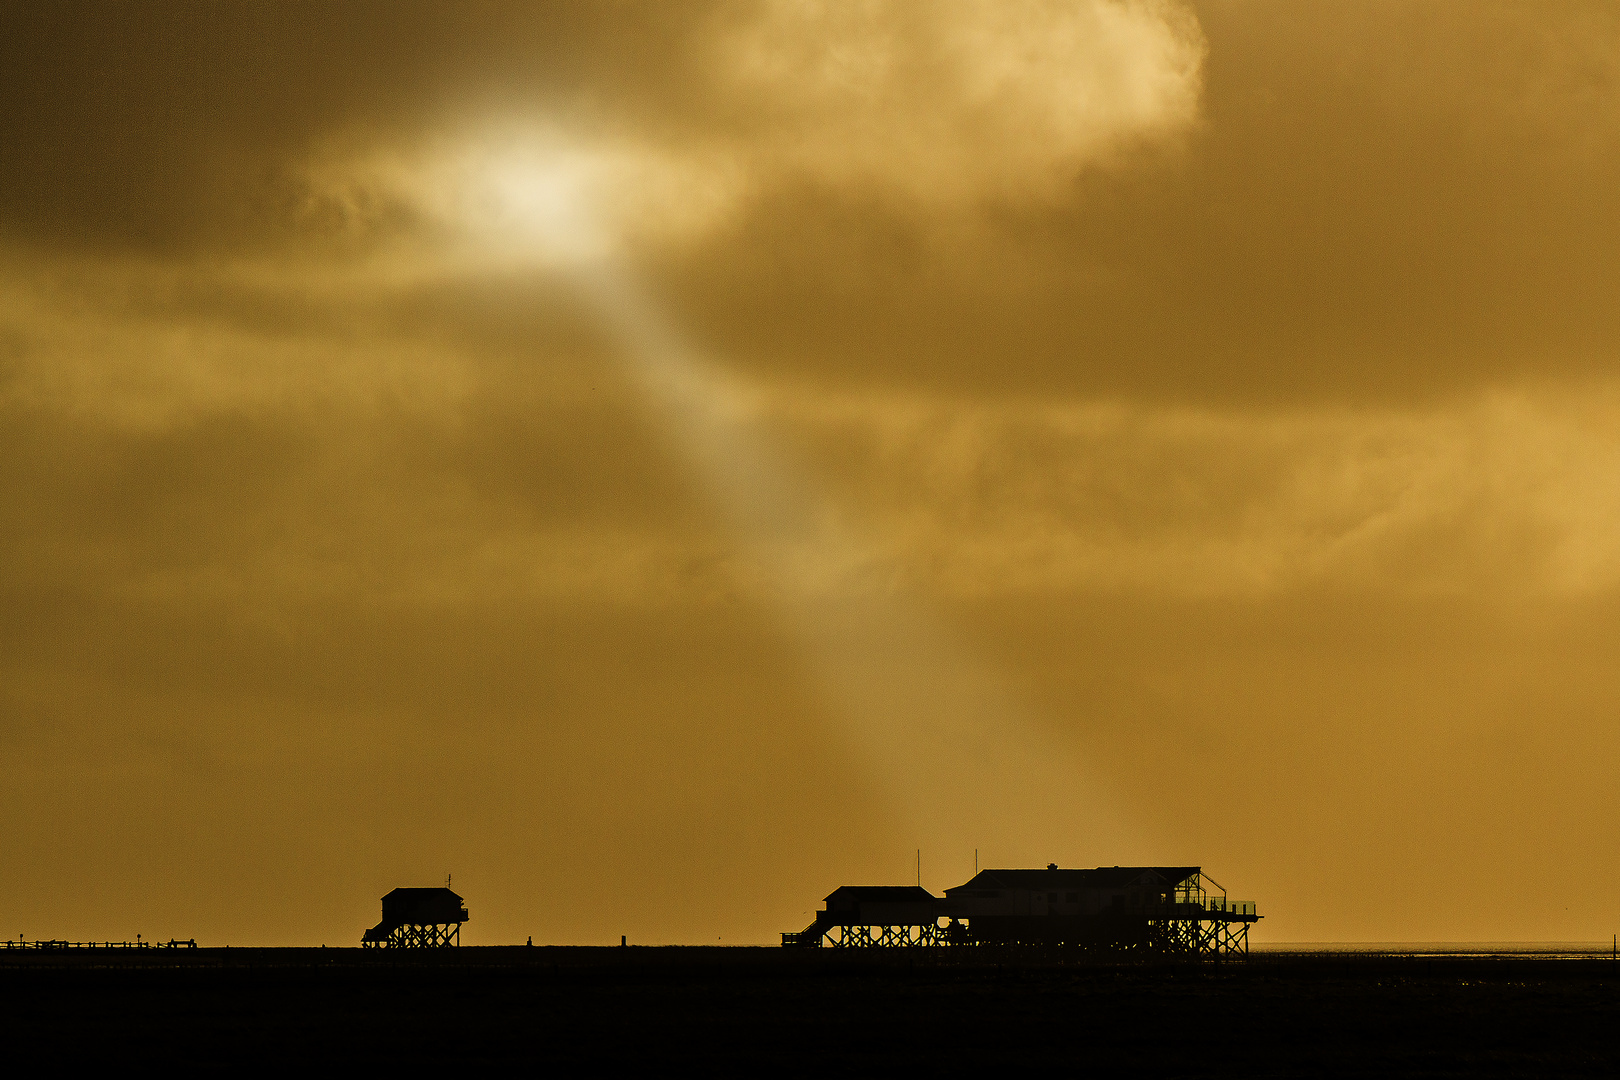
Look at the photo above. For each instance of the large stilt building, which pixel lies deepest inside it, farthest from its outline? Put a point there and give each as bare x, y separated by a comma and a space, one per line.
1167, 910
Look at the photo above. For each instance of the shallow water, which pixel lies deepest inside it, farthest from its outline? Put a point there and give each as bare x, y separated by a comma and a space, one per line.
1572, 950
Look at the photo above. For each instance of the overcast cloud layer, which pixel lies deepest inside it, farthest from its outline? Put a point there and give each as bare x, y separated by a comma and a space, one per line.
1231, 386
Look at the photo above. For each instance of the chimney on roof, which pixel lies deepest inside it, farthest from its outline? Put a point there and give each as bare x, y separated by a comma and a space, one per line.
1051, 866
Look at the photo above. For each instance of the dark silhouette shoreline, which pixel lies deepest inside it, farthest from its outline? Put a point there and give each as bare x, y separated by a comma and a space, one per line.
795, 1010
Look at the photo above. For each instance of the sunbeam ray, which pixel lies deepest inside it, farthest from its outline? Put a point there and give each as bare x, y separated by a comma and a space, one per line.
958, 759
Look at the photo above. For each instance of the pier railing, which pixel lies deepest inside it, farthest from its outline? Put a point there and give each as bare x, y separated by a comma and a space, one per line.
64, 946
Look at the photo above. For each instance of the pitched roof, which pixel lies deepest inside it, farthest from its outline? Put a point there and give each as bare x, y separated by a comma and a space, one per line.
1102, 877
416, 895
880, 894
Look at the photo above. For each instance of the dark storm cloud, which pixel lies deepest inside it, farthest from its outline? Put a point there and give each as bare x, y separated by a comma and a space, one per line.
176, 124
1380, 200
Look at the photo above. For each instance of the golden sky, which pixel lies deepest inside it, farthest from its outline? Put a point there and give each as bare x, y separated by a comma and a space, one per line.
659, 462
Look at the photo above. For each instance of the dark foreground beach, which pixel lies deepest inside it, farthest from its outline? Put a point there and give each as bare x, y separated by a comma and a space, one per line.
785, 1011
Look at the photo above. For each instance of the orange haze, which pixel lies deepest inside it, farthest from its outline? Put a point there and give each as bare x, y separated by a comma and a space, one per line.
1153, 433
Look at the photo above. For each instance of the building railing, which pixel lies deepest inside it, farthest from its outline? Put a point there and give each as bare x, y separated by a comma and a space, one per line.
1232, 907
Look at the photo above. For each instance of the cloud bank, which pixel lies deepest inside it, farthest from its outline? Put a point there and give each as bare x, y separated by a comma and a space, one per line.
937, 107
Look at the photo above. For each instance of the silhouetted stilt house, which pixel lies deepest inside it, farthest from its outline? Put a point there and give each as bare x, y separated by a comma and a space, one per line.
418, 919
1157, 909
900, 915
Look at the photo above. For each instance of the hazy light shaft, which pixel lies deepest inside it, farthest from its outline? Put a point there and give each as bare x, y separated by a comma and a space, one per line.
942, 737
